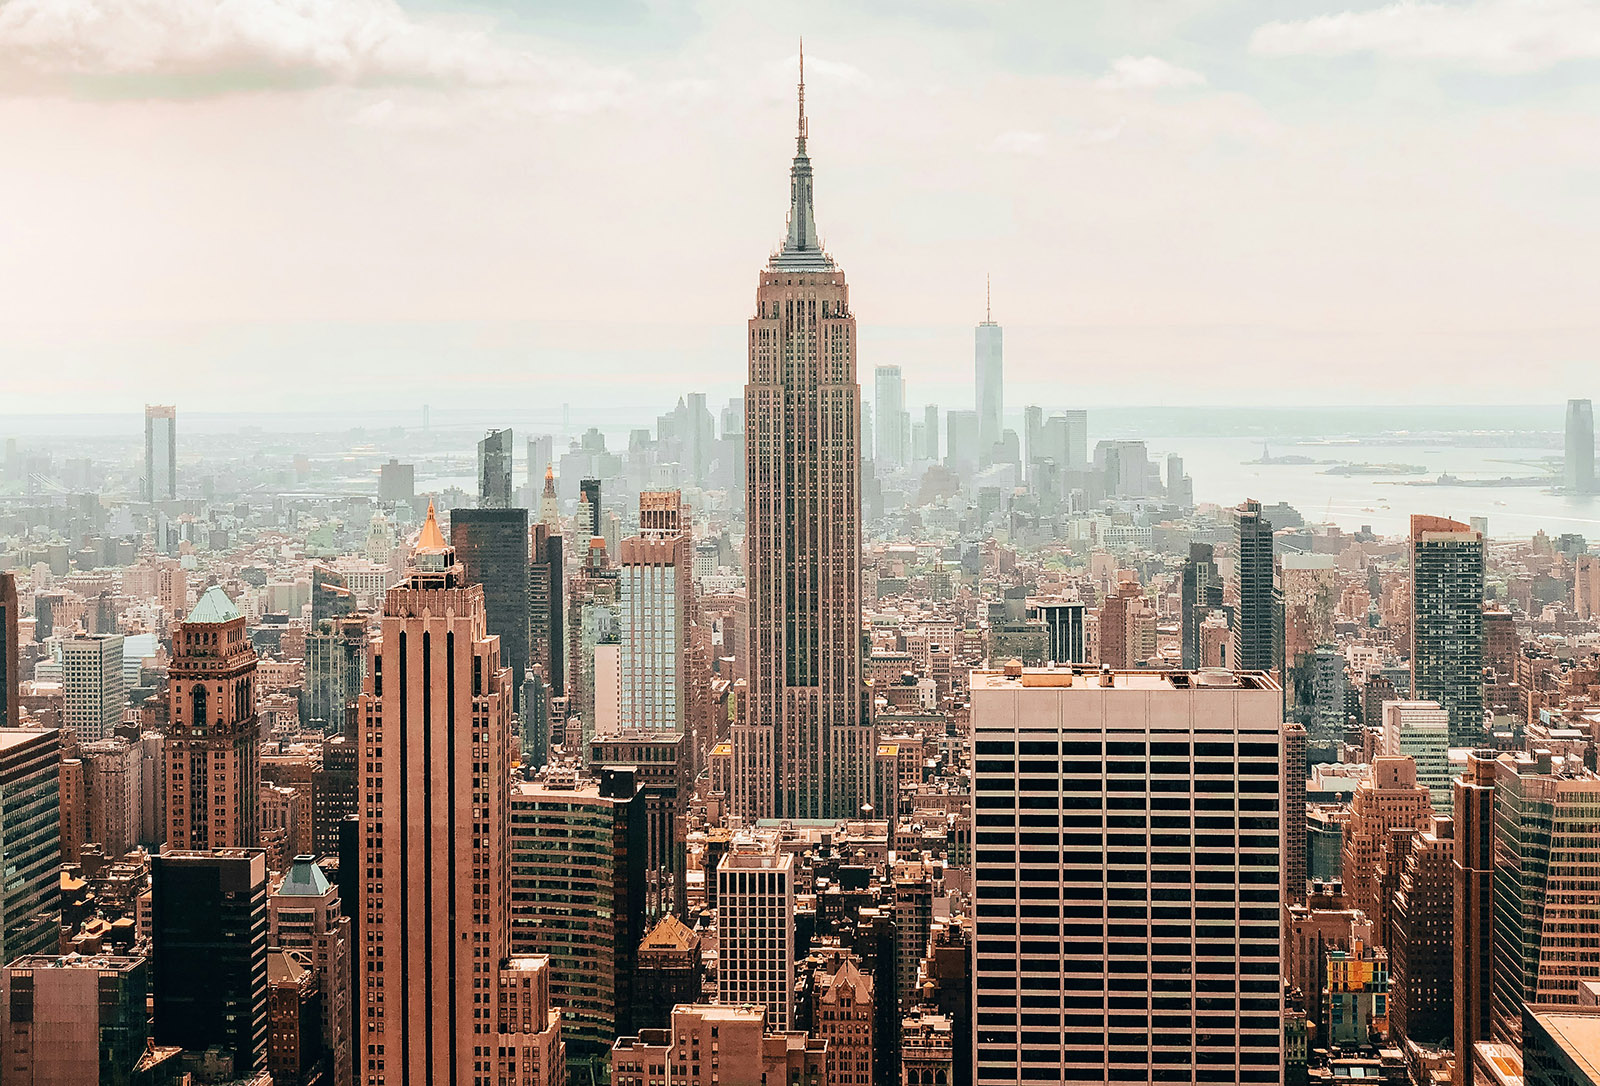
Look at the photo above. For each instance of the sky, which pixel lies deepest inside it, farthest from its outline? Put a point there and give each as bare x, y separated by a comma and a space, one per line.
290, 205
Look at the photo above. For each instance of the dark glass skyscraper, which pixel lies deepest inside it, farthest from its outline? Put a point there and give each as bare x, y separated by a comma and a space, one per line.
10, 680
209, 952
1254, 629
1447, 622
30, 840
494, 470
492, 546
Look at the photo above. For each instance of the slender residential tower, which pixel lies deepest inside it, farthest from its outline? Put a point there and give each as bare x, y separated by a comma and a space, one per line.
989, 381
806, 748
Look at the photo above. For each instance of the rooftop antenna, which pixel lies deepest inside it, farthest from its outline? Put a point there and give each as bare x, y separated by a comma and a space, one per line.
802, 125
988, 310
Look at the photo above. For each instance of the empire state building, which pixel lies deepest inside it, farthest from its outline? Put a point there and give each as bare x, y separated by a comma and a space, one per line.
805, 748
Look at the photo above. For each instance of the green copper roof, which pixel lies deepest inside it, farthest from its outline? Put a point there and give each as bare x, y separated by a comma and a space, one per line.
305, 879
214, 606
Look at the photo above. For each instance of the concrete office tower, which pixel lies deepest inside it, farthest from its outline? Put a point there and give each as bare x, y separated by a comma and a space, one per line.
755, 932
336, 665
587, 523
577, 896
1420, 730
73, 1020
435, 822
491, 547
30, 802
1578, 468
655, 598
1064, 624
208, 953
113, 794
303, 915
1421, 938
1387, 799
494, 470
160, 453
890, 418
961, 444
1447, 622
10, 666
930, 431
1201, 595
1472, 872
806, 747
1255, 637
1066, 440
541, 454
1293, 789
547, 647
988, 373
92, 685
397, 482
1164, 896
1032, 439
1547, 884
213, 758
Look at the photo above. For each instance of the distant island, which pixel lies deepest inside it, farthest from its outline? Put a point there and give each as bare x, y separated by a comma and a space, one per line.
1376, 469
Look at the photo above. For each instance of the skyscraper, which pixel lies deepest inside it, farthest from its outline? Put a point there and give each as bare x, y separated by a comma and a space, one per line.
963, 445
494, 470
435, 822
654, 602
213, 759
208, 953
930, 431
30, 818
1472, 871
1578, 473
889, 413
1254, 629
1200, 595
586, 524
547, 648
806, 748
541, 454
755, 911
1064, 627
160, 453
1127, 855
76, 1020
491, 545
336, 664
989, 380
92, 685
10, 678
1447, 622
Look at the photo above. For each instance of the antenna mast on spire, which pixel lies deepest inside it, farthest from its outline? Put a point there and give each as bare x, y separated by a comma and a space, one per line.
988, 310
801, 143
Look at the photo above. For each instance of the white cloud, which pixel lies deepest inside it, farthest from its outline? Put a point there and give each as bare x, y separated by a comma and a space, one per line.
191, 47
1148, 73
1018, 143
1495, 35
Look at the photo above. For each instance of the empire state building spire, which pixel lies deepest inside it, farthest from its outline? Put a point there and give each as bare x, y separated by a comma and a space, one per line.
801, 250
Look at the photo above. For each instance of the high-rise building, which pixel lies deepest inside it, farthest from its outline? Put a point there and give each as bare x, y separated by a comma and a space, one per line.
1254, 628
1032, 439
494, 470
654, 599
491, 545
397, 482
93, 690
577, 896
587, 523
1295, 837
10, 666
304, 916
1472, 927
208, 953
988, 371
1127, 860
1200, 596
434, 910
1578, 467
547, 647
336, 664
213, 757
930, 431
30, 840
73, 1020
962, 444
1420, 730
1546, 883
806, 746
1447, 576
1386, 801
1421, 938
160, 453
661, 762
889, 415
541, 455
755, 932
1065, 630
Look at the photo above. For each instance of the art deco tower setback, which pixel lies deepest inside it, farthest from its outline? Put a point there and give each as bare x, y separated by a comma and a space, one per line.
807, 747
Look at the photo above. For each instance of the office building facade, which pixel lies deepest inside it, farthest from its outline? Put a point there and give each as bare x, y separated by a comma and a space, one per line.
491, 545
1578, 466
93, 688
1447, 582
160, 453
1255, 639
756, 953
494, 470
30, 840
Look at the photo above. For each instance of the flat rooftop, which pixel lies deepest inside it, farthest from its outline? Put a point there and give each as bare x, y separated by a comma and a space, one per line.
1086, 678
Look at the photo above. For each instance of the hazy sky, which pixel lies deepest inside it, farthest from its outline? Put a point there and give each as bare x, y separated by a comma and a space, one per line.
287, 204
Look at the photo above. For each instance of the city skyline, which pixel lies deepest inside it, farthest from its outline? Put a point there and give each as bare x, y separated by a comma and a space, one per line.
1453, 246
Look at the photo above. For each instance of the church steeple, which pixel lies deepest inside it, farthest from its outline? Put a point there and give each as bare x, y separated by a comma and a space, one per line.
801, 250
